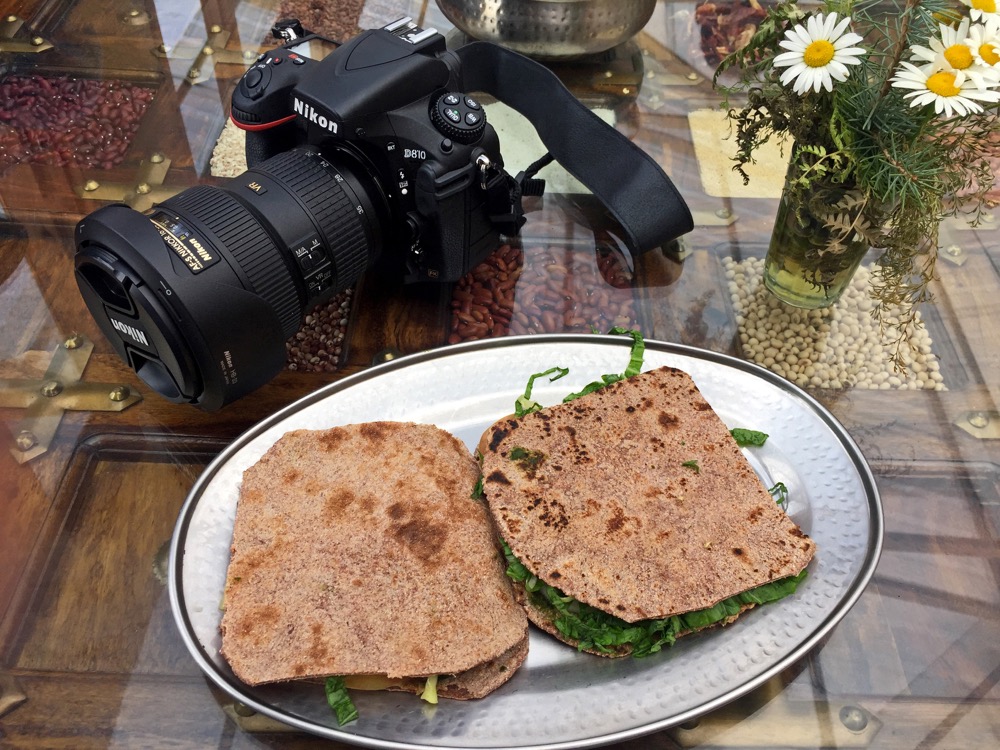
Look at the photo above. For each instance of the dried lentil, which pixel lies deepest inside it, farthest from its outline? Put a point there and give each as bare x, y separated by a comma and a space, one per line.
835, 347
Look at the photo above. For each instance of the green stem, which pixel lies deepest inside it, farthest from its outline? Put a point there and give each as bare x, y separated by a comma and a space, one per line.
896, 54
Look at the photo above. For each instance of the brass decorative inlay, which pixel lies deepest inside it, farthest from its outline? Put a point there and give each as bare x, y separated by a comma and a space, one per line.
147, 189
797, 723
136, 17
59, 390
9, 26
207, 55
954, 253
386, 355
983, 424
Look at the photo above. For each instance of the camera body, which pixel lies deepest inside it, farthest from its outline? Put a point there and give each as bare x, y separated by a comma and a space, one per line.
370, 158
387, 100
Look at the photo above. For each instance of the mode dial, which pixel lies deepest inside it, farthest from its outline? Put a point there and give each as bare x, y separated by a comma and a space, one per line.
459, 117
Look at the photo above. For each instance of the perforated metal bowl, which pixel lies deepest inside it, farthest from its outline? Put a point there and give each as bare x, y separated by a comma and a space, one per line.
550, 29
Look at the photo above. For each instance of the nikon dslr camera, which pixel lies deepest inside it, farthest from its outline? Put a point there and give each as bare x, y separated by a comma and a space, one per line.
374, 154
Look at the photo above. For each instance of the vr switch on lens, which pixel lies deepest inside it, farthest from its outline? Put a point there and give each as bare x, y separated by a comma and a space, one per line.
377, 156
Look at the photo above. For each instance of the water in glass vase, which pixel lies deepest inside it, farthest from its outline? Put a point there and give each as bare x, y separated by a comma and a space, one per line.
815, 249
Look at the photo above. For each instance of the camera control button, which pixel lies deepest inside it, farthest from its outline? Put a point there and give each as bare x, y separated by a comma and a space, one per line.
471, 103
458, 122
253, 78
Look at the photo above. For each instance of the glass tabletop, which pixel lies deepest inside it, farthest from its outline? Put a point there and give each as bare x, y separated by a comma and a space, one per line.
129, 102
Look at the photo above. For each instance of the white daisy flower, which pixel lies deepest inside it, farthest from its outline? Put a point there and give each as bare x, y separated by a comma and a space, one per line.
951, 52
981, 10
951, 92
818, 53
984, 41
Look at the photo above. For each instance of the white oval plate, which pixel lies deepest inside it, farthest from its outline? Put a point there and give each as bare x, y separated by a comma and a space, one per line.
559, 698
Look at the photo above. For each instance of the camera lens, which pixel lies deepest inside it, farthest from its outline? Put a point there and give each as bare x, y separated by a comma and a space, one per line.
199, 294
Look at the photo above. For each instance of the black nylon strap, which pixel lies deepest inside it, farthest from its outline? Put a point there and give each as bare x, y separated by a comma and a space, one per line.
624, 177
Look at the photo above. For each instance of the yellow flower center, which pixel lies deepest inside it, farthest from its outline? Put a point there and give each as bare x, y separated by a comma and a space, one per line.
958, 56
943, 84
987, 6
818, 54
989, 53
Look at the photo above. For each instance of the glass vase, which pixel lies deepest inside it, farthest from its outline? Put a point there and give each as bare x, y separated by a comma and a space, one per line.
815, 246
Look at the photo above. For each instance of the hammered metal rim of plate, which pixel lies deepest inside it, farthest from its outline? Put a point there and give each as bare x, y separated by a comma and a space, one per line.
855, 581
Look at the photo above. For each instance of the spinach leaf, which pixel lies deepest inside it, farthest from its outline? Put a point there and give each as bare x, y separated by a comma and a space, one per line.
339, 700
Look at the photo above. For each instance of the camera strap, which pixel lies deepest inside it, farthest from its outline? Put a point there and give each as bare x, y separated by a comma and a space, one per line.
625, 178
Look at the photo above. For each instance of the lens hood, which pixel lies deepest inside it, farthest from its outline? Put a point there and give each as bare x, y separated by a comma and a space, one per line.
194, 337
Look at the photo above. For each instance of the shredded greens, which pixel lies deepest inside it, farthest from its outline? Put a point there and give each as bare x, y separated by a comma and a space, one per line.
636, 355
747, 438
595, 629
780, 494
339, 700
524, 403
692, 464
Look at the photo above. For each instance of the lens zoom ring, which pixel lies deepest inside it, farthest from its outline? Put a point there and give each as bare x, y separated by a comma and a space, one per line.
252, 248
332, 206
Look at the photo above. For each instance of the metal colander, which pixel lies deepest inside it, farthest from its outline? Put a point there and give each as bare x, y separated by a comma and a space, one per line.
550, 29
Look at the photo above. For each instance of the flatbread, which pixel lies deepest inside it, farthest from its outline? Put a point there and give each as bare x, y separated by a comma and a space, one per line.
637, 500
359, 550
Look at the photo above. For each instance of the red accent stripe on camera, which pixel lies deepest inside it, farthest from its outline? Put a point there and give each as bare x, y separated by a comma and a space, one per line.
263, 125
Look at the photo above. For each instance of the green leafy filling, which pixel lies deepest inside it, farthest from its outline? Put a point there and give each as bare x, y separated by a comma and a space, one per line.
780, 493
636, 355
339, 700
748, 438
526, 459
597, 630
692, 464
524, 403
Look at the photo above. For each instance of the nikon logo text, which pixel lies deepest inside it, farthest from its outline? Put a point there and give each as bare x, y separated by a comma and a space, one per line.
310, 113
133, 333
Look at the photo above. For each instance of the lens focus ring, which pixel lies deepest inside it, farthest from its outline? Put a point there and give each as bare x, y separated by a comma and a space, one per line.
332, 205
252, 248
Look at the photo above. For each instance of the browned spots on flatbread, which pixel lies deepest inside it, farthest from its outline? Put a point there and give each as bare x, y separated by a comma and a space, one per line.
621, 525
374, 431
331, 440
338, 501
258, 618
422, 536
498, 477
317, 645
667, 420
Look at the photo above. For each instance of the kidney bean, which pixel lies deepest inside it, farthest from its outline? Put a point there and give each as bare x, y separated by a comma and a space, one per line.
541, 290
69, 121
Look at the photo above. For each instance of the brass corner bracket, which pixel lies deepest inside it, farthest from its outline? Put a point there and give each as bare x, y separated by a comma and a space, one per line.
9, 26
59, 390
